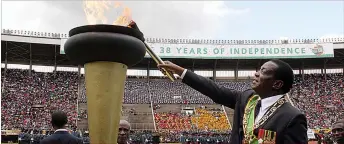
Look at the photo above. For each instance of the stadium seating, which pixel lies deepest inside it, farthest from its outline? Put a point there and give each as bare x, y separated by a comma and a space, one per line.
136, 92
27, 101
210, 120
82, 114
138, 137
321, 100
172, 121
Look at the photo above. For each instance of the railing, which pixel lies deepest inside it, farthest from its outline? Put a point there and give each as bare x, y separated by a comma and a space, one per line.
152, 107
181, 41
127, 113
224, 110
142, 126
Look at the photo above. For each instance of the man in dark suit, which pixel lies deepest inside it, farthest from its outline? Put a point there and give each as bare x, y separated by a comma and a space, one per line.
61, 135
261, 113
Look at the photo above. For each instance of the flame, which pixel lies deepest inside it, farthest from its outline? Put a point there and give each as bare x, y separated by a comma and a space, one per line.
125, 18
117, 4
95, 12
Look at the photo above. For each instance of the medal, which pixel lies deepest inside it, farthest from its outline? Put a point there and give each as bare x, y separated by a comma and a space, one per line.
249, 120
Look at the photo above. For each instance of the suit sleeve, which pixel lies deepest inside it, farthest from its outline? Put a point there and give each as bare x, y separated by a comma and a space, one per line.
296, 131
220, 95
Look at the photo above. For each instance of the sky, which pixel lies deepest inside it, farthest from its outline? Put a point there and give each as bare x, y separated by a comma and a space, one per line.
191, 19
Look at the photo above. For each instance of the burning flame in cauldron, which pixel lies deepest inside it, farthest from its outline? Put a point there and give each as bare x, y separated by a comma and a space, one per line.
95, 12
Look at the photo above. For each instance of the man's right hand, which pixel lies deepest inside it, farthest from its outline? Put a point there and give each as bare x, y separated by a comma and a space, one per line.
169, 66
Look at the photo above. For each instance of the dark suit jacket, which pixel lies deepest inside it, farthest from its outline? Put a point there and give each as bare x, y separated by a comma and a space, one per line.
61, 137
288, 122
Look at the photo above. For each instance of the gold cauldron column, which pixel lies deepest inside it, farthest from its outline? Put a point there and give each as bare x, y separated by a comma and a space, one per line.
104, 90
106, 51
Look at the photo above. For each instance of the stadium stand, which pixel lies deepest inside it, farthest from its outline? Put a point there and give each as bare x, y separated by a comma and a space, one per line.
210, 119
165, 92
172, 121
28, 101
23, 95
319, 98
152, 104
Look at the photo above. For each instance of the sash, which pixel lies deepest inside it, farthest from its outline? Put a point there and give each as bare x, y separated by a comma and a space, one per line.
249, 120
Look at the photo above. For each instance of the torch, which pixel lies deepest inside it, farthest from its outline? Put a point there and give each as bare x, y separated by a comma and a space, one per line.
106, 51
154, 56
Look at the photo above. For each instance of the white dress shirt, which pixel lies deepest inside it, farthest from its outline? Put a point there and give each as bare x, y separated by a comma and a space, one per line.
61, 130
266, 102
183, 74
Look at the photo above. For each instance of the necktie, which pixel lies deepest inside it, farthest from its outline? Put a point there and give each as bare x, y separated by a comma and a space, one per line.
258, 106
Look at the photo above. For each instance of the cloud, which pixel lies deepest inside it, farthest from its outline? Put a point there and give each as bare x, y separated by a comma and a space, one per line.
332, 36
163, 19
196, 19
12, 12
218, 8
29, 15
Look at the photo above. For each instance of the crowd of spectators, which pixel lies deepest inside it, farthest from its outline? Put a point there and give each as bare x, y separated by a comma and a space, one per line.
136, 91
180, 136
33, 136
82, 114
139, 137
28, 99
322, 100
82, 97
139, 91
205, 119
205, 137
172, 121
166, 92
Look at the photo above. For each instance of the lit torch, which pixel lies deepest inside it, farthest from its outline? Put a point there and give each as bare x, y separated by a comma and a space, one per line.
155, 57
106, 51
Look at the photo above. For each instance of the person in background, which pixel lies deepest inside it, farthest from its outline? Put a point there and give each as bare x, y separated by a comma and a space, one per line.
61, 135
123, 132
338, 132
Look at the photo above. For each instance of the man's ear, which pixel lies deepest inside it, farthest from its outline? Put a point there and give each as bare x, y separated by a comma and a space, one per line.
278, 84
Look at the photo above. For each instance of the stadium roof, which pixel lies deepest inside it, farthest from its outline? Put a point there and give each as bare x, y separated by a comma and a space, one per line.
39, 53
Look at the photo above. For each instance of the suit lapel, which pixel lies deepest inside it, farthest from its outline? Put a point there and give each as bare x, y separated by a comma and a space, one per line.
271, 112
273, 115
267, 121
263, 126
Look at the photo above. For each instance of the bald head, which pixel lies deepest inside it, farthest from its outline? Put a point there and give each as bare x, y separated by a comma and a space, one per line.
124, 123
124, 131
